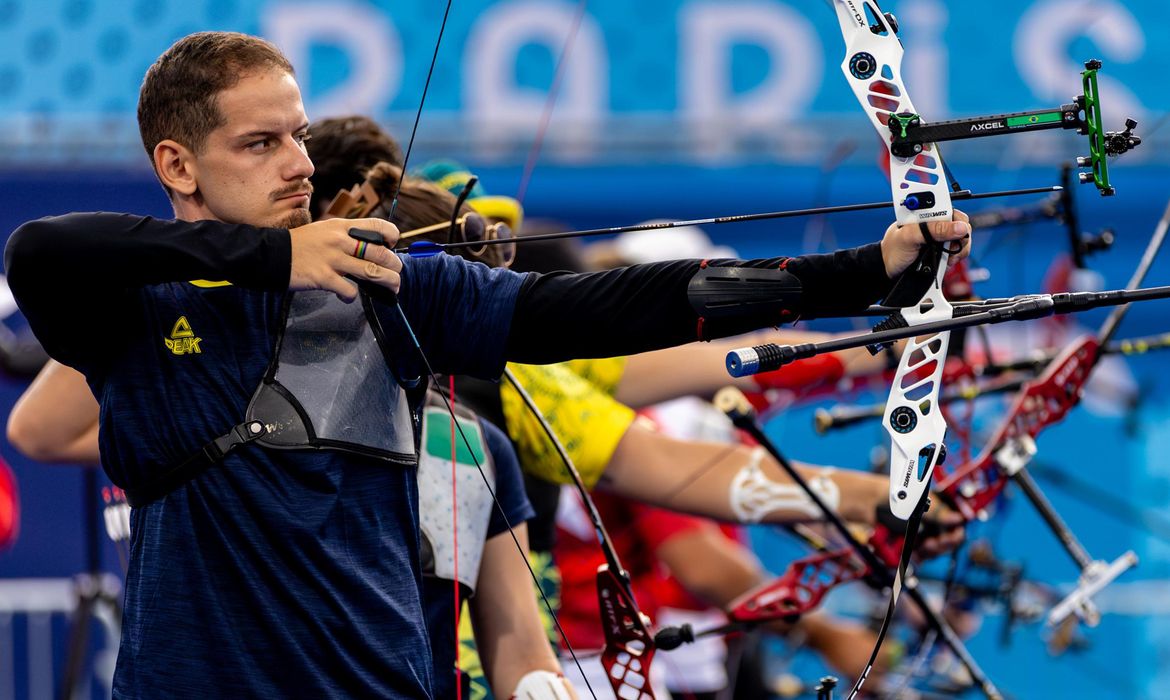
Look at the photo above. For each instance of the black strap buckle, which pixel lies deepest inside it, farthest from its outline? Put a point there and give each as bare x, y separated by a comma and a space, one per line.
239, 435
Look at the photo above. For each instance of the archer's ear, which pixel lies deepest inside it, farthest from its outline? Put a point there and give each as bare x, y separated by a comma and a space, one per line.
175, 166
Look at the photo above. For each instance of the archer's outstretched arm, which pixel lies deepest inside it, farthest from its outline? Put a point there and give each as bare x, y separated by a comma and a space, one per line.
735, 483
615, 451
698, 369
560, 316
743, 484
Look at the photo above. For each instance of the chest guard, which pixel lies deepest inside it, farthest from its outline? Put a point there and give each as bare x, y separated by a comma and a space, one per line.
462, 516
331, 385
337, 381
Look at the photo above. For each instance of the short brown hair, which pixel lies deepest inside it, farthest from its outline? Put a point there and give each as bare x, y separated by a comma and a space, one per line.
343, 149
178, 98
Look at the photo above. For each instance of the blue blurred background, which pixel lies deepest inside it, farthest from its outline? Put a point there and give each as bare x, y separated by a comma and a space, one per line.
670, 109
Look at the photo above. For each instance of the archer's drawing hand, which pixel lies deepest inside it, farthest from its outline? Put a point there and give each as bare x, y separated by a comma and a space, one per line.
324, 254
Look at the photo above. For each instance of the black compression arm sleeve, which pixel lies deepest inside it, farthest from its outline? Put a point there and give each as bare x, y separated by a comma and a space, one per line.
646, 307
69, 274
841, 283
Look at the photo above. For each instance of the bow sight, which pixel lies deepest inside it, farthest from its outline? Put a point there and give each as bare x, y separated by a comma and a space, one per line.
1084, 114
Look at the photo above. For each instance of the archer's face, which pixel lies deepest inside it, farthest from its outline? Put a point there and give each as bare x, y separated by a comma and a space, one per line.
253, 169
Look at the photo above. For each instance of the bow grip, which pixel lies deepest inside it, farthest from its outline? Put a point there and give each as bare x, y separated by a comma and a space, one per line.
917, 279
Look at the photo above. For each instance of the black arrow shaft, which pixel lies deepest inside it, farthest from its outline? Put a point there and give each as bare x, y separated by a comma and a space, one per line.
733, 219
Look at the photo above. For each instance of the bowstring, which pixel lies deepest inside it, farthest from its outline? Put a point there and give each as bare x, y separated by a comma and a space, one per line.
456, 425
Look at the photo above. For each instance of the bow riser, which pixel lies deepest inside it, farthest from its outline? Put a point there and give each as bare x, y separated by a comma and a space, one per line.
629, 646
915, 422
799, 590
1045, 401
920, 189
873, 68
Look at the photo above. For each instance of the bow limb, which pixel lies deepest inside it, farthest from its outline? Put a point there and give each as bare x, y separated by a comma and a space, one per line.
629, 645
920, 186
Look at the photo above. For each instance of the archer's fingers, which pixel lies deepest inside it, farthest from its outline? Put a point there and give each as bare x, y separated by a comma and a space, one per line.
379, 255
958, 250
950, 230
370, 271
344, 289
956, 234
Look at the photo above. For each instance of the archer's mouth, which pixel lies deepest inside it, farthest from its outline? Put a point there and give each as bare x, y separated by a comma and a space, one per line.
299, 198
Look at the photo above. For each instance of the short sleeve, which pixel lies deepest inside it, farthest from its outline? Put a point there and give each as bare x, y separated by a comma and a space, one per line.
513, 501
460, 312
605, 374
587, 420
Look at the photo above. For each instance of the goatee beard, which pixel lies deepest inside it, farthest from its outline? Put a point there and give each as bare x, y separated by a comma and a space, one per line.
295, 218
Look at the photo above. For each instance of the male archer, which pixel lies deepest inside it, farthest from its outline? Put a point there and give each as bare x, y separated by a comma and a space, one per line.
274, 531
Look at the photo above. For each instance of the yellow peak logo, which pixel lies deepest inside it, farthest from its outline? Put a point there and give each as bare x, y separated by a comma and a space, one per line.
183, 340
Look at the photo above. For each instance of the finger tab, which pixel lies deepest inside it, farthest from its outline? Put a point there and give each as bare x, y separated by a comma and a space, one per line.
366, 236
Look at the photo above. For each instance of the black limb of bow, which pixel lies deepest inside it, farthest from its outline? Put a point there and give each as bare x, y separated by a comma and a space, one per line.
732, 402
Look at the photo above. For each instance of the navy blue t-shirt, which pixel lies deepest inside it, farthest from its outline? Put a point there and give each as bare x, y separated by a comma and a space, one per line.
273, 574
439, 594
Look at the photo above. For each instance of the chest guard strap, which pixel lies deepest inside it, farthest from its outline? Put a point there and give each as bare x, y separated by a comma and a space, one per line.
208, 456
